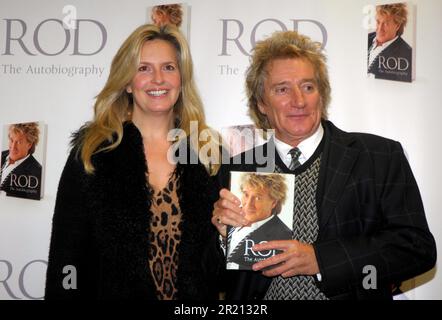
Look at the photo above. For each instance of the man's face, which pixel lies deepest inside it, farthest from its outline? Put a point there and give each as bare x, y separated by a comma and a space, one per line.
18, 146
386, 28
292, 102
256, 203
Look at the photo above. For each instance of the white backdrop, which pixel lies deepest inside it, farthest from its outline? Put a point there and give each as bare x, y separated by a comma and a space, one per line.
32, 88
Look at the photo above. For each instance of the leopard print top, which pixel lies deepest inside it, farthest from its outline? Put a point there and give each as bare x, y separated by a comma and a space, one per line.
164, 238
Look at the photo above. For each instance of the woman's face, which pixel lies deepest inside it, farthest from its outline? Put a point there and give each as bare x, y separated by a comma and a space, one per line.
157, 84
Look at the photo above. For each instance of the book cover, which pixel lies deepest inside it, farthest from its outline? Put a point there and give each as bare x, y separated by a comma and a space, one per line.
391, 41
267, 202
177, 14
23, 160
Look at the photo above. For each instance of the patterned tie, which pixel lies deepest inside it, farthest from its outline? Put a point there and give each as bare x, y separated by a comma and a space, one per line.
229, 234
295, 153
229, 237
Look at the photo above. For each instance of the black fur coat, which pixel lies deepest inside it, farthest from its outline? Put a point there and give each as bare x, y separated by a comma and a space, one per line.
101, 227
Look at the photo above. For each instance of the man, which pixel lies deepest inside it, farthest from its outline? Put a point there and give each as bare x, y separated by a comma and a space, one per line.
389, 56
357, 205
20, 171
263, 196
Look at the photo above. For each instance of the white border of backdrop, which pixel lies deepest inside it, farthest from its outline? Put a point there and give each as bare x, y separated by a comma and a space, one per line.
409, 113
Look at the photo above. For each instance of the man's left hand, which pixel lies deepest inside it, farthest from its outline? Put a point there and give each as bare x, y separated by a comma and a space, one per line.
297, 258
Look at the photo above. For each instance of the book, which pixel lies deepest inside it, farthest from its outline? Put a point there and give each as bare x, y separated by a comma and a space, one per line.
22, 161
177, 14
267, 202
391, 41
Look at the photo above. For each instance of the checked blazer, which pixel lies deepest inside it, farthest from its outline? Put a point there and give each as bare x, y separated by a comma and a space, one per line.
370, 213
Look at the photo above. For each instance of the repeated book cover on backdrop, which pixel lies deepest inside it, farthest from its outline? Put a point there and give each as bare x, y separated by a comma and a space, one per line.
391, 41
267, 202
177, 14
22, 162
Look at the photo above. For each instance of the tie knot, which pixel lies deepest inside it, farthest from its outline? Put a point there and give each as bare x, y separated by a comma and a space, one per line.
294, 153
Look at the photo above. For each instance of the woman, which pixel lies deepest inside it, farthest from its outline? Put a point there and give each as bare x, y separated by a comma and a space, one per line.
130, 223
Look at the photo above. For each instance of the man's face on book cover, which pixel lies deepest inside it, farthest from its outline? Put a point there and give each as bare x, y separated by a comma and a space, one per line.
256, 203
18, 145
386, 28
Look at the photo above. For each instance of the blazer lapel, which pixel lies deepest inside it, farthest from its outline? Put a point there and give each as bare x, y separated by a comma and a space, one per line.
339, 159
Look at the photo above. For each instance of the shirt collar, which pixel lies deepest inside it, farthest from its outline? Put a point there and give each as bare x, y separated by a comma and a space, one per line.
385, 44
307, 147
255, 225
16, 163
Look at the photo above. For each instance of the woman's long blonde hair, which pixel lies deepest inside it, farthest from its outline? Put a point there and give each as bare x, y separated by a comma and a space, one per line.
114, 105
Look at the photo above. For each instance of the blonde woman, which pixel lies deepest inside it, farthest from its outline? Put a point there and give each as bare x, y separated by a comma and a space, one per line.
128, 221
